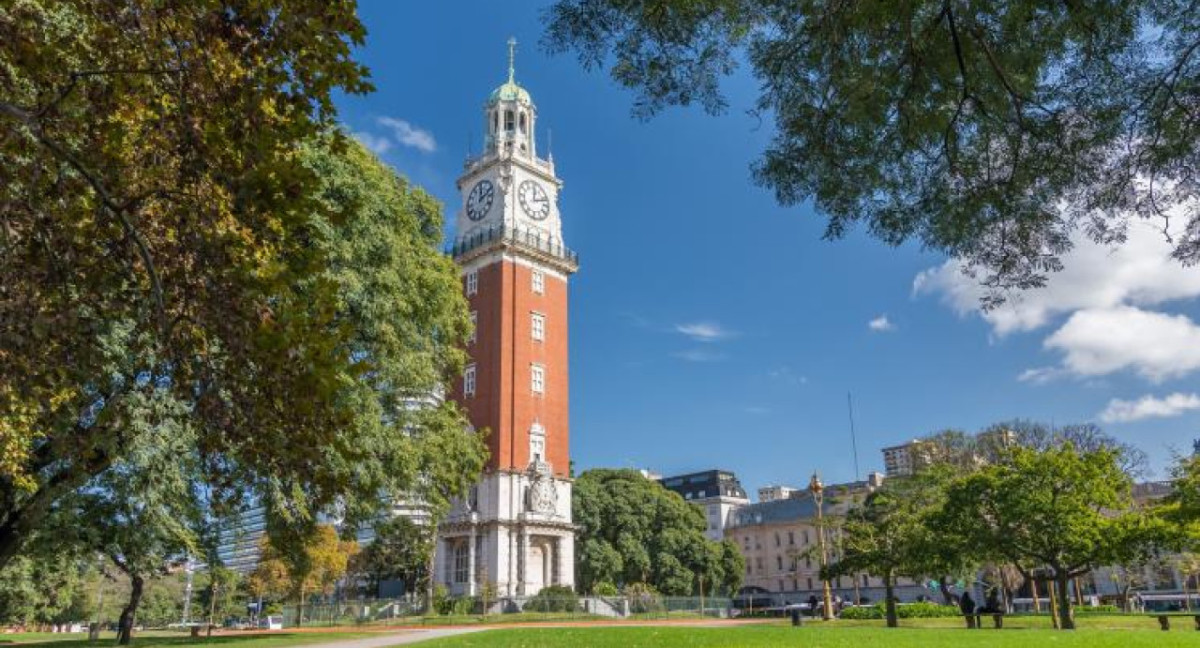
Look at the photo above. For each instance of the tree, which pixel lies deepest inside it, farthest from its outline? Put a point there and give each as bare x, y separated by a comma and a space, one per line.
632, 530
270, 578
400, 551
990, 131
883, 537
42, 586
157, 230
1062, 510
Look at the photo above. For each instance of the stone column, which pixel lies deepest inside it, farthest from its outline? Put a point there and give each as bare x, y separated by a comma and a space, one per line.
522, 559
565, 555
471, 563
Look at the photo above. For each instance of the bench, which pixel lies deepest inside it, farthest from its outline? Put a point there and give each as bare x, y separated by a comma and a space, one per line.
1164, 618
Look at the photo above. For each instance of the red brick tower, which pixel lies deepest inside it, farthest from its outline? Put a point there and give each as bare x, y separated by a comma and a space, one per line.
516, 531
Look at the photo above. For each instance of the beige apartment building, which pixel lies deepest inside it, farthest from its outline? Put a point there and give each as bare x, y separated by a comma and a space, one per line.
779, 540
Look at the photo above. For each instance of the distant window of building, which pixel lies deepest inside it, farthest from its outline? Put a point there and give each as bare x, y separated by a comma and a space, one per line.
508, 120
537, 379
469, 380
779, 563
701, 493
472, 282
810, 583
537, 326
791, 538
866, 581
807, 562
806, 536
461, 562
777, 543
474, 326
539, 282
758, 563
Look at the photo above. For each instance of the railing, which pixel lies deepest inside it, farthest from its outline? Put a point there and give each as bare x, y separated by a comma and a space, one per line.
520, 236
504, 609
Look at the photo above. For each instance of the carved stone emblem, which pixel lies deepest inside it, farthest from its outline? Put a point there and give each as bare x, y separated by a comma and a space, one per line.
543, 496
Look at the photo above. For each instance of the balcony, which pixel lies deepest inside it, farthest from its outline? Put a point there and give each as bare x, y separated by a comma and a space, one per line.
531, 241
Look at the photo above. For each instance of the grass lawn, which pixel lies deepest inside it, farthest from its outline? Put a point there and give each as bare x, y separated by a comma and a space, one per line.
178, 639
1108, 632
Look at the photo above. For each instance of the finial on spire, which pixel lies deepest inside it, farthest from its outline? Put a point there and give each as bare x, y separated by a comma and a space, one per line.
512, 53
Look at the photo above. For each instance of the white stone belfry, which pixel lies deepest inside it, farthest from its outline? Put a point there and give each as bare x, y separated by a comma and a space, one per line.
514, 531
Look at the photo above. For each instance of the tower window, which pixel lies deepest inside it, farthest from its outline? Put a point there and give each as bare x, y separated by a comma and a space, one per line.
522, 123
539, 282
508, 120
472, 283
537, 379
469, 380
538, 326
474, 326
495, 121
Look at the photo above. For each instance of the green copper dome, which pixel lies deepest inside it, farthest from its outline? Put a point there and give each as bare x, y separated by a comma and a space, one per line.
510, 91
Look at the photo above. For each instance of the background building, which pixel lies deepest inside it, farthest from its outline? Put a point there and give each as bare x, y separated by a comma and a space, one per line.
717, 492
778, 538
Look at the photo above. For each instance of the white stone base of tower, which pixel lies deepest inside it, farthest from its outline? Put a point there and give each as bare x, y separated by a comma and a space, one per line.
514, 532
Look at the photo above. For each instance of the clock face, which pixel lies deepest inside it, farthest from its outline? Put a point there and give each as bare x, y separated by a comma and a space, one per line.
479, 201
534, 200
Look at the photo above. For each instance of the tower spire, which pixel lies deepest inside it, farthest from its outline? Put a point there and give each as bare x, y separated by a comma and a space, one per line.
512, 53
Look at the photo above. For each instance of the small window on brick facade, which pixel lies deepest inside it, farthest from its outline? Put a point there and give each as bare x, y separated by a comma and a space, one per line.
474, 325
537, 379
539, 281
469, 381
537, 326
472, 283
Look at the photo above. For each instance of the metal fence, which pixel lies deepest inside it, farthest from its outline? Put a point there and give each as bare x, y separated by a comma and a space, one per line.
466, 610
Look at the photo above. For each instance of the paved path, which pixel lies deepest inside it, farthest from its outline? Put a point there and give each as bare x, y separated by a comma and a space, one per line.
395, 638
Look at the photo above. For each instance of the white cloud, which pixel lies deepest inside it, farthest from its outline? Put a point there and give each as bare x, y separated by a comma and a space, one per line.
377, 144
703, 331
880, 324
699, 355
1157, 346
1139, 272
1123, 411
1041, 375
785, 374
408, 135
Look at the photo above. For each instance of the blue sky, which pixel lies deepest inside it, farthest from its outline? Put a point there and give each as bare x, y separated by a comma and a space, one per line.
712, 328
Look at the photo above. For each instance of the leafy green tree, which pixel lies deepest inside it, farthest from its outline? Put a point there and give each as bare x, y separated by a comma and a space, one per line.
400, 551
1061, 509
883, 537
990, 131
632, 530
157, 233
42, 587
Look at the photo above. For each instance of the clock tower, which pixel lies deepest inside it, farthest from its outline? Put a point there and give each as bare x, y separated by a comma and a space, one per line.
514, 531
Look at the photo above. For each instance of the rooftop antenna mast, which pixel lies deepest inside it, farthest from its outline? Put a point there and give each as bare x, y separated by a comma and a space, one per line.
853, 440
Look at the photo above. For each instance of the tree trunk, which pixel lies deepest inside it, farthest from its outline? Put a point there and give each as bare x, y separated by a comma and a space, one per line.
125, 625
947, 595
1065, 619
889, 604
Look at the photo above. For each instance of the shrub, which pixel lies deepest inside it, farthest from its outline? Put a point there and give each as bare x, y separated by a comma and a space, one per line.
920, 610
442, 603
643, 598
604, 588
556, 598
1099, 609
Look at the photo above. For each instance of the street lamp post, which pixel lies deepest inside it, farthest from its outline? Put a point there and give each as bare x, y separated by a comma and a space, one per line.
818, 490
